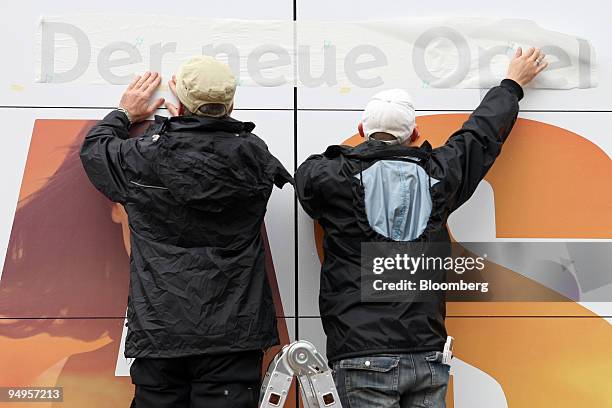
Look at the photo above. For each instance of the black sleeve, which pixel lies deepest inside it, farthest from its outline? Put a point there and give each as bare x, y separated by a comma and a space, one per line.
470, 152
274, 167
103, 153
308, 185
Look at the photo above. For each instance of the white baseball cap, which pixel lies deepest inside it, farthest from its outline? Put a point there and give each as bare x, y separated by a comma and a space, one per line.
390, 111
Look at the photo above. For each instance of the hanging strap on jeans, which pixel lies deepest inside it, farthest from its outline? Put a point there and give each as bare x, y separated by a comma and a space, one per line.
446, 355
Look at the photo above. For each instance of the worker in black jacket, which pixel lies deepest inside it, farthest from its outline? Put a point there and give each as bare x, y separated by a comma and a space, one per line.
195, 187
390, 189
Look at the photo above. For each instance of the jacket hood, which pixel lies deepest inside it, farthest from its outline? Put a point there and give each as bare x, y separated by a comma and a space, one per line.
214, 164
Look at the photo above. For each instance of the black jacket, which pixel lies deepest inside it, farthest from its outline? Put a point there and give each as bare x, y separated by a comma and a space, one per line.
195, 190
330, 192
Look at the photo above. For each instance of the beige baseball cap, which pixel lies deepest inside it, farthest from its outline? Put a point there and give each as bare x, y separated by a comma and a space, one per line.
391, 111
203, 80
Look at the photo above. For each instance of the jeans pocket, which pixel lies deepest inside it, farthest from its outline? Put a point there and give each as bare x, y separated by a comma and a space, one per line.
370, 381
435, 394
440, 372
147, 372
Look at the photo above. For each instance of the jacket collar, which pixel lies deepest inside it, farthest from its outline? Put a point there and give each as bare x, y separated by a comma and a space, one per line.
181, 123
374, 149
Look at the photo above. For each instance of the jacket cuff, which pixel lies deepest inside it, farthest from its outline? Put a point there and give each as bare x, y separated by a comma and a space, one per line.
513, 87
119, 120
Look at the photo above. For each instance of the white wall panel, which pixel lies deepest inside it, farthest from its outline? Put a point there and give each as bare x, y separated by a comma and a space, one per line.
19, 25
588, 20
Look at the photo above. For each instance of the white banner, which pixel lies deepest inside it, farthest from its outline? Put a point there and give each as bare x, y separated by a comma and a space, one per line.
424, 52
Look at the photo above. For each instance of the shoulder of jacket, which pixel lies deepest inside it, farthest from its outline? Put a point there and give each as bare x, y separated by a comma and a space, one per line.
253, 139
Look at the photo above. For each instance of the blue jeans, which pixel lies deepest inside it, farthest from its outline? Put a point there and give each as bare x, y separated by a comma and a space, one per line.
392, 381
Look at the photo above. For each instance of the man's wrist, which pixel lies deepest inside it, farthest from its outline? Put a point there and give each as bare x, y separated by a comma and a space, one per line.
514, 87
126, 113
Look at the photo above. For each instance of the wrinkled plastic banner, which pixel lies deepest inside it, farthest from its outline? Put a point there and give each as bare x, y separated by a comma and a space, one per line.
424, 52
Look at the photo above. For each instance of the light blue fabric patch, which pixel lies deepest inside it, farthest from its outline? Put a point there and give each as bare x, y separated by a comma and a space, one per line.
397, 199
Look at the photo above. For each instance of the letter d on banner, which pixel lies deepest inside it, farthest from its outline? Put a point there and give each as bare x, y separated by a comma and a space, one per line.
47, 52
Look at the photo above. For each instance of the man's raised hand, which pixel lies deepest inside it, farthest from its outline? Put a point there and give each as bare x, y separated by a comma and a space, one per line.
137, 96
524, 67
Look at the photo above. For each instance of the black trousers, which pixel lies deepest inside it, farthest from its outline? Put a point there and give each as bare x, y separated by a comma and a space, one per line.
219, 381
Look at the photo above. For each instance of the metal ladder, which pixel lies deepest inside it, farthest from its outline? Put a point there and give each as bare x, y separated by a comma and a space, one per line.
299, 359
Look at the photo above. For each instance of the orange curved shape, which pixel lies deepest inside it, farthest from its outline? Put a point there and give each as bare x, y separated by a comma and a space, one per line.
548, 183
